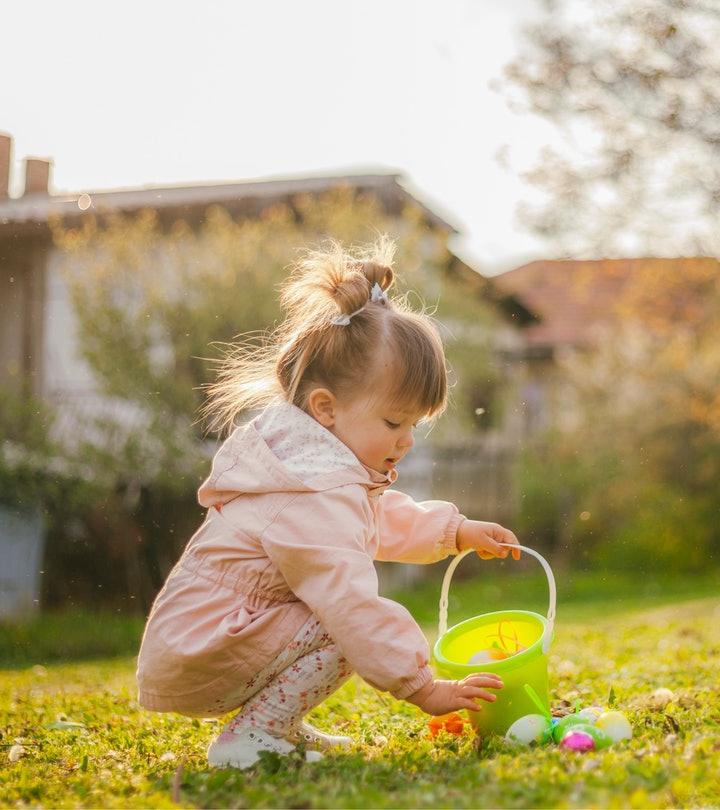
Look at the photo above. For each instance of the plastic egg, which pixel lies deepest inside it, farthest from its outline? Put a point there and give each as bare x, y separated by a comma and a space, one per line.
600, 738
566, 722
591, 713
577, 741
488, 656
531, 728
615, 725
482, 657
453, 723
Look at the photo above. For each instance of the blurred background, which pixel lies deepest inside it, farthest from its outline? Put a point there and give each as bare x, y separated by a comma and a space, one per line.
550, 172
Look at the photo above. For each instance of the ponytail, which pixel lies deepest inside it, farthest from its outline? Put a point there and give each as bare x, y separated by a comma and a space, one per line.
309, 348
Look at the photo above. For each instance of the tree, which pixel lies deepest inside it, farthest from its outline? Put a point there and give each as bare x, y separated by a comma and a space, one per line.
635, 448
634, 88
629, 471
153, 301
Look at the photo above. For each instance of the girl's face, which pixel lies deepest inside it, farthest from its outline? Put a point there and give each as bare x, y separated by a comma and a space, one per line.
380, 436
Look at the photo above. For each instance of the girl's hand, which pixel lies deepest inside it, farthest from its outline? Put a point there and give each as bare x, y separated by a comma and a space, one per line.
484, 538
442, 697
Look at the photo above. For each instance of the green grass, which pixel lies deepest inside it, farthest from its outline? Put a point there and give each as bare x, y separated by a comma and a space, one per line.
68, 636
478, 587
126, 757
499, 585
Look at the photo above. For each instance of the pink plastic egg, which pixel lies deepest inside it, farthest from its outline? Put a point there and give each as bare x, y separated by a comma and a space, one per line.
577, 741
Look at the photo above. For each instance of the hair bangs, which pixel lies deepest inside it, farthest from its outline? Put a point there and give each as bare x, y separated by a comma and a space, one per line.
417, 374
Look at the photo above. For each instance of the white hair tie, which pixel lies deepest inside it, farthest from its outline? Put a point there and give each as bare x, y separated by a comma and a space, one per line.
377, 295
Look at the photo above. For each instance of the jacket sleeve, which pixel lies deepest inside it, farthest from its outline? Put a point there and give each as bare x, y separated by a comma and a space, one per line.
319, 544
416, 532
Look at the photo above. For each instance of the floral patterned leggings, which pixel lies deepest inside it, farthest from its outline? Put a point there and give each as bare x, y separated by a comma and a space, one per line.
308, 670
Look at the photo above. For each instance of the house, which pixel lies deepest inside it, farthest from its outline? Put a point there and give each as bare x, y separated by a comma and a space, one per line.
38, 347
574, 301
36, 337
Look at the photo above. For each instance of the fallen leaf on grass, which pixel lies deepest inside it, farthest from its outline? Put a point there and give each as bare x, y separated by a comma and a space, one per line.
15, 753
64, 724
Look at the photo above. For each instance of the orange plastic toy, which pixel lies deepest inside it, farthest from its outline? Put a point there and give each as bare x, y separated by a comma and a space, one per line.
453, 723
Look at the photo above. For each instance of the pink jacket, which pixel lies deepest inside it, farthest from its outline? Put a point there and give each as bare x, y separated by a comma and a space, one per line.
294, 522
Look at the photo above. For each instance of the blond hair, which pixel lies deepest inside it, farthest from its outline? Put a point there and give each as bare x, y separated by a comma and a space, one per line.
308, 350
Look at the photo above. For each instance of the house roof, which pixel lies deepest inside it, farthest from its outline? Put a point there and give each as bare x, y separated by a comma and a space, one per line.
248, 197
31, 213
512, 307
572, 298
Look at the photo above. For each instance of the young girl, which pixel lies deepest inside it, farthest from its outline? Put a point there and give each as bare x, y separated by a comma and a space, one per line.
274, 602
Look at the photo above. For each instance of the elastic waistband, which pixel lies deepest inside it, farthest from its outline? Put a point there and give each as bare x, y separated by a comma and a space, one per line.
234, 582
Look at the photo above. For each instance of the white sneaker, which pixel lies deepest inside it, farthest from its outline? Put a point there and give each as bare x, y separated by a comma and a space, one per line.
241, 748
310, 735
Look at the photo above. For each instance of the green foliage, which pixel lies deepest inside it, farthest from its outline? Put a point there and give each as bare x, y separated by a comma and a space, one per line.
124, 756
157, 303
36, 468
24, 426
152, 300
629, 473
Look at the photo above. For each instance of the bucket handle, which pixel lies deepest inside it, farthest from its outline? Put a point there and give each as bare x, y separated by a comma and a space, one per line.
547, 635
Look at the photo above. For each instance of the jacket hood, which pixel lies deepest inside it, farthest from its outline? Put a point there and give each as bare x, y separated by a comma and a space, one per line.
285, 450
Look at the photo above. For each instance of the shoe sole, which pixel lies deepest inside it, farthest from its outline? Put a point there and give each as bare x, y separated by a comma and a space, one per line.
227, 762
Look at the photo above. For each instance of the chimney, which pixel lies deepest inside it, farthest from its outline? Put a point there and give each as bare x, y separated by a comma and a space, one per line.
5, 153
37, 176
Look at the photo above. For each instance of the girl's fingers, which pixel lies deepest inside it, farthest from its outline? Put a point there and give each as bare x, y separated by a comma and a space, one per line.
484, 685
484, 679
495, 549
492, 550
511, 540
475, 692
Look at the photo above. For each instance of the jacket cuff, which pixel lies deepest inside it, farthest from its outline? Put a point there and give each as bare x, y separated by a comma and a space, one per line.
449, 540
423, 677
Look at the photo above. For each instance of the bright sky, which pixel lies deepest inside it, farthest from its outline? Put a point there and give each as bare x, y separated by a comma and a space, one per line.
123, 94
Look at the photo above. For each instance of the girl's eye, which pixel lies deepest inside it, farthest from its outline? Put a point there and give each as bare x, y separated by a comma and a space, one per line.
391, 424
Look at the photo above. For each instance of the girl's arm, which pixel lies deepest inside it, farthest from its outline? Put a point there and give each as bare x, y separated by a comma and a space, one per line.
428, 531
416, 532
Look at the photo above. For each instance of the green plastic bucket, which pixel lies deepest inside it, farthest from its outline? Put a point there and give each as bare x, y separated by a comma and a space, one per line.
504, 630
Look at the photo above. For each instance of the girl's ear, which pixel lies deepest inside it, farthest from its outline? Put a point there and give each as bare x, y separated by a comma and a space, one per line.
322, 405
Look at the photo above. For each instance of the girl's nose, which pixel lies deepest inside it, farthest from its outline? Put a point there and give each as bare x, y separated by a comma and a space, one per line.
407, 441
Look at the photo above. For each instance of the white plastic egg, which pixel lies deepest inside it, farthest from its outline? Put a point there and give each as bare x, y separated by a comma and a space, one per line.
615, 725
591, 713
482, 657
528, 729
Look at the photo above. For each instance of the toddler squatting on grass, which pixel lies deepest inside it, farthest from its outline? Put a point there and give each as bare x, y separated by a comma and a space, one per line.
274, 602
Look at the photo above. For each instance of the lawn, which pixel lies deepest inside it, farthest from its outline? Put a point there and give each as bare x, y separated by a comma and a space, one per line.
121, 756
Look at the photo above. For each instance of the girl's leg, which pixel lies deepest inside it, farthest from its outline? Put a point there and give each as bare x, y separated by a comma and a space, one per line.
309, 637
279, 707
302, 676
311, 669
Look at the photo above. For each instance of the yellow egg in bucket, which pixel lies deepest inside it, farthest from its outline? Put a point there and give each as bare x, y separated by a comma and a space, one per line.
510, 643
